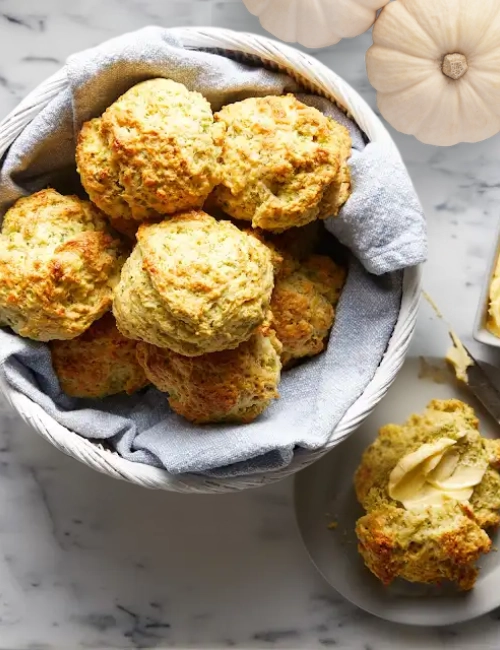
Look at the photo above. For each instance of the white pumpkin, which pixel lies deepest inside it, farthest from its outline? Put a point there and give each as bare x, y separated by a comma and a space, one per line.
315, 23
436, 67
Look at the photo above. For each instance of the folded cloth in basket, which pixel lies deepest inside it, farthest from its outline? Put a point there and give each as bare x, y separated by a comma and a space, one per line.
382, 224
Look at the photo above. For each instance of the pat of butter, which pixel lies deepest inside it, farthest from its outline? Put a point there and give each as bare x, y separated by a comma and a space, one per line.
431, 496
458, 357
463, 477
409, 476
433, 474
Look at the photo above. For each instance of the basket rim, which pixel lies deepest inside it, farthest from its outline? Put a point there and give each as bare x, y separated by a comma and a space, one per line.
320, 78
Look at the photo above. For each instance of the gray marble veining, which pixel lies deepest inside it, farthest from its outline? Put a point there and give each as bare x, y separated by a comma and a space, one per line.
86, 561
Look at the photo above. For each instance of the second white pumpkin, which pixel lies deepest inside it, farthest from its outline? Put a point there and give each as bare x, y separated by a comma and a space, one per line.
436, 67
315, 23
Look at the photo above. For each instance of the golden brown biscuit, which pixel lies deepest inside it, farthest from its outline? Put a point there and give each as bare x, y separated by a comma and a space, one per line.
327, 276
98, 169
485, 501
282, 262
340, 190
441, 417
98, 363
280, 258
161, 138
427, 546
303, 307
100, 175
429, 541
194, 285
283, 164
230, 386
448, 418
59, 263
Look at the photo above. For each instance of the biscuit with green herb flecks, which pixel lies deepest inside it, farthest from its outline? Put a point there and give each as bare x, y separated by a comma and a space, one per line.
98, 363
161, 136
303, 306
283, 164
230, 386
194, 285
59, 263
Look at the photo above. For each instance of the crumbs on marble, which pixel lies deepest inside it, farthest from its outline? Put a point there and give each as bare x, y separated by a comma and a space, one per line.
333, 525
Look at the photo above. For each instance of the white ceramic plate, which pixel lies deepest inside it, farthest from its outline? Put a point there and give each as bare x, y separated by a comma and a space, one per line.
324, 493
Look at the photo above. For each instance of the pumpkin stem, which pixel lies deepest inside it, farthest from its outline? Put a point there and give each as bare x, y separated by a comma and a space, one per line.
455, 66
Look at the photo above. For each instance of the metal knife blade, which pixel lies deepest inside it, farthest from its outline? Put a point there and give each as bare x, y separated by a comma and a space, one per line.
477, 381
482, 387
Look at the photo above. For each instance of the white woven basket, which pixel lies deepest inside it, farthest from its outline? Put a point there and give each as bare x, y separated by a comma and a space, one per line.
318, 78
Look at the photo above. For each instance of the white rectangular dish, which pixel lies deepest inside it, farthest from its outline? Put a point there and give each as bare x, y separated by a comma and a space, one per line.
480, 333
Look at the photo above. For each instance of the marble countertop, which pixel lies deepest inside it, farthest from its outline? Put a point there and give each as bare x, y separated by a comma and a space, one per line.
86, 561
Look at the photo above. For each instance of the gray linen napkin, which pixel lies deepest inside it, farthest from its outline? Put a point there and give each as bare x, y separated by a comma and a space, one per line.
382, 224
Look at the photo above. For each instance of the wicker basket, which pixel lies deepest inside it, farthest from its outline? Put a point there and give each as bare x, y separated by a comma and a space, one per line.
319, 79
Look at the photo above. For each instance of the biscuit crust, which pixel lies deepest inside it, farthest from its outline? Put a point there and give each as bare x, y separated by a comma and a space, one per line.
194, 285
99, 363
283, 164
161, 137
303, 306
230, 386
59, 263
